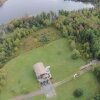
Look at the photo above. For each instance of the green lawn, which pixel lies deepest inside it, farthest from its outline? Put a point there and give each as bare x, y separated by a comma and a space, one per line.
87, 83
56, 54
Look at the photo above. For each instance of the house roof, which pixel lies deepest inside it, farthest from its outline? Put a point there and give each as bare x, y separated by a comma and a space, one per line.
39, 69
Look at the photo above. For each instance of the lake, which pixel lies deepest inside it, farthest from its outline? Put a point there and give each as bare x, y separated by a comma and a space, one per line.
17, 8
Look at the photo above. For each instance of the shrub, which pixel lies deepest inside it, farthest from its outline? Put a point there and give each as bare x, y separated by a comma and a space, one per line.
44, 39
78, 93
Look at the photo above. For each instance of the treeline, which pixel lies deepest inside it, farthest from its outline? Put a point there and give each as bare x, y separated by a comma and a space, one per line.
94, 1
40, 21
82, 27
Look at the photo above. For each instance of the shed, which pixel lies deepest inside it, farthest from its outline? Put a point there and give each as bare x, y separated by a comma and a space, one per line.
39, 69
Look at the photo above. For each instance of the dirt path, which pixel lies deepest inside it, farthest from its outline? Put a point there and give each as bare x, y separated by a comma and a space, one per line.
23, 97
79, 73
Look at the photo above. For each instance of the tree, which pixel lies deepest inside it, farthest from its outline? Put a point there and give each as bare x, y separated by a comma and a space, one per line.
97, 73
47, 22
78, 93
64, 32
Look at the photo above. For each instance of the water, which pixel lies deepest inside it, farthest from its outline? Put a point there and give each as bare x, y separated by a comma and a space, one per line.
17, 8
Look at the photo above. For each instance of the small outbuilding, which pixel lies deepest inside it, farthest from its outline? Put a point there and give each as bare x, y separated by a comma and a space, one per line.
44, 78
39, 69
43, 74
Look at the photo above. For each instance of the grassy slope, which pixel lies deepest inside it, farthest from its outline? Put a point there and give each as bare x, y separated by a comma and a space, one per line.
58, 56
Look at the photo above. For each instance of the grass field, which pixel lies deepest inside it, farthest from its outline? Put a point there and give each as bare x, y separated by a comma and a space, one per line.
57, 54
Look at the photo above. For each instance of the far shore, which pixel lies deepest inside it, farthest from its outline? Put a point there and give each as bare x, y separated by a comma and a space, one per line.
2, 2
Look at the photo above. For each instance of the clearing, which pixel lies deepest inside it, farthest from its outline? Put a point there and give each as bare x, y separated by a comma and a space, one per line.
22, 80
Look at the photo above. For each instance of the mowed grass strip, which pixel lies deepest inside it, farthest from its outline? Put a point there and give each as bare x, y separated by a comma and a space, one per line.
21, 79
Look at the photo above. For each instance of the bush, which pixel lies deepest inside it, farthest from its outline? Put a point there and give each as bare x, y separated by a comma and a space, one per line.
78, 93
76, 54
73, 45
44, 39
